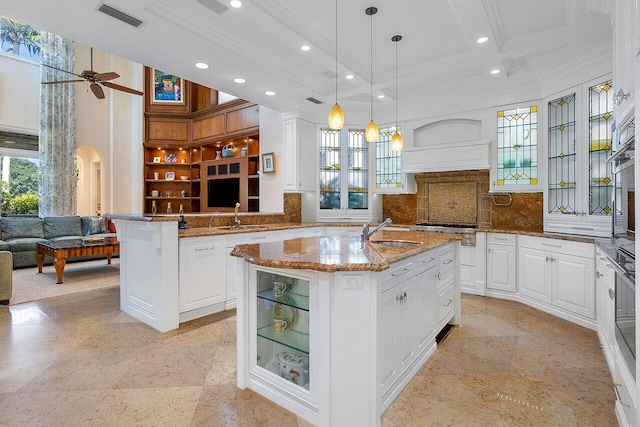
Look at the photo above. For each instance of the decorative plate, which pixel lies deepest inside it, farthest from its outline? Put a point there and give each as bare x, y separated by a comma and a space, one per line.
289, 313
171, 158
170, 176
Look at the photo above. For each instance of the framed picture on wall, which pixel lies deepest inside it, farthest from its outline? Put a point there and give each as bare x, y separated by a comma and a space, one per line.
167, 88
267, 163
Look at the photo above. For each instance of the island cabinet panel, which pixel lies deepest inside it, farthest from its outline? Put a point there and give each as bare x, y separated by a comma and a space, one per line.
243, 118
208, 127
202, 285
167, 130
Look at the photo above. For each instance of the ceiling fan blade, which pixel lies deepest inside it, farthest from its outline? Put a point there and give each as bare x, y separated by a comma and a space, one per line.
60, 69
122, 88
97, 90
61, 81
106, 76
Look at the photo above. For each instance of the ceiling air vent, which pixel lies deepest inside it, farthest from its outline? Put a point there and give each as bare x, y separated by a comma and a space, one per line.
120, 16
315, 101
214, 5
330, 74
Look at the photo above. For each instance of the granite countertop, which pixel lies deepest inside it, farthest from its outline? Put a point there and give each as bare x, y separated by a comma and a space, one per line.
341, 252
559, 236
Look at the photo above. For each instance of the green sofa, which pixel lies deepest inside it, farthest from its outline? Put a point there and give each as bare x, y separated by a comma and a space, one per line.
19, 234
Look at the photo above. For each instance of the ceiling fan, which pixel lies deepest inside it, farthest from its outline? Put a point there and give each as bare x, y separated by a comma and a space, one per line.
96, 79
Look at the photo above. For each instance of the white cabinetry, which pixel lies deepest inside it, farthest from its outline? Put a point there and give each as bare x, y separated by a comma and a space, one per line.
501, 262
605, 304
294, 233
235, 272
299, 163
579, 184
407, 319
559, 273
624, 52
202, 288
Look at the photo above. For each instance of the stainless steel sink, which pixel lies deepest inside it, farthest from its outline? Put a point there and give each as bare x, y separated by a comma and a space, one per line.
402, 243
241, 227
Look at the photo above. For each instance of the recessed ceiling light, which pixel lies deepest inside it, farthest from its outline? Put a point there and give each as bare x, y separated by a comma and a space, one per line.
482, 39
349, 76
239, 80
305, 47
202, 65
235, 3
496, 71
380, 96
270, 93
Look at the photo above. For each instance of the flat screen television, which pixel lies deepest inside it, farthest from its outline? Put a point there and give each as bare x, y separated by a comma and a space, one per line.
223, 193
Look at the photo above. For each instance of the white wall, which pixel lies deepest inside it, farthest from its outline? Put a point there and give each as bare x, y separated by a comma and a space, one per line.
271, 141
19, 95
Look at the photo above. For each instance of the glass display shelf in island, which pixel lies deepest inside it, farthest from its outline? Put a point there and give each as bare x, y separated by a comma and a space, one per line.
283, 326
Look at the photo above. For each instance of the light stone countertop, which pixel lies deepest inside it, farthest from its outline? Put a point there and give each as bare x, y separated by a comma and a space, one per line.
341, 252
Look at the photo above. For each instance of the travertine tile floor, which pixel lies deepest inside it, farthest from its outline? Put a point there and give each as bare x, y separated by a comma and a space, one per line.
79, 361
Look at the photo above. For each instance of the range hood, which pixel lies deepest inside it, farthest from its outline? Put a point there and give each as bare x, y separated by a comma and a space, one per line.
471, 155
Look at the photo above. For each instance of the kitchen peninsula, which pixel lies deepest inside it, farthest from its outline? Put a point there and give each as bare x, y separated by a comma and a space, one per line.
333, 329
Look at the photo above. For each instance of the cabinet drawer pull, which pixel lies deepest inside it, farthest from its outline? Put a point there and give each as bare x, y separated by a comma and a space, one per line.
448, 303
449, 261
404, 271
582, 228
212, 248
259, 238
425, 261
500, 238
553, 246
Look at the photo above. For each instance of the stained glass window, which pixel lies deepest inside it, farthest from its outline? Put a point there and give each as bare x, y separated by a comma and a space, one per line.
388, 162
344, 158
518, 146
562, 154
600, 123
329, 169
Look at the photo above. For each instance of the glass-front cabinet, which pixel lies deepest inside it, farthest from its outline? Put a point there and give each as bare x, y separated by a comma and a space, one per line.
580, 183
282, 329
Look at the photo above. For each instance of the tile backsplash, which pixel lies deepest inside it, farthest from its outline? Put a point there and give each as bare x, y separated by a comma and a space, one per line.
525, 213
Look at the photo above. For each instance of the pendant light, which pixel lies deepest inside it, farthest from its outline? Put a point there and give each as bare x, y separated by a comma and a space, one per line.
371, 132
396, 139
336, 116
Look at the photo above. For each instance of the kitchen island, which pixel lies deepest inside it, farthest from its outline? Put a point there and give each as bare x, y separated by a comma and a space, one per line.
333, 329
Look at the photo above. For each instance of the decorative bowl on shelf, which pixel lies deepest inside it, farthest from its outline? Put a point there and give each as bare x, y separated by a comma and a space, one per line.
184, 177
228, 150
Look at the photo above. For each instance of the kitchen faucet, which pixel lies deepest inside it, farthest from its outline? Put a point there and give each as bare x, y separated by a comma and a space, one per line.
215, 215
236, 221
365, 228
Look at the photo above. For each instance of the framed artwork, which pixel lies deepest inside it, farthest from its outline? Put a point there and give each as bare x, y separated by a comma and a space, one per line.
156, 160
267, 163
167, 88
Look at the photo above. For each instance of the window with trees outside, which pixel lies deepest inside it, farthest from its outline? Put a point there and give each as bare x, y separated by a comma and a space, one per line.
18, 185
19, 39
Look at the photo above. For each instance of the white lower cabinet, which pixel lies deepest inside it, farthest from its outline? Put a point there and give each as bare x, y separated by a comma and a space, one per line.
201, 279
501, 262
295, 233
559, 273
605, 304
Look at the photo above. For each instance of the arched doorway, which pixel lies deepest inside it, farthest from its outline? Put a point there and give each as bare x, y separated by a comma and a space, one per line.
90, 182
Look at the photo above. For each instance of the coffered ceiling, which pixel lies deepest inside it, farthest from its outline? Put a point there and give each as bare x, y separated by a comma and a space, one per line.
440, 65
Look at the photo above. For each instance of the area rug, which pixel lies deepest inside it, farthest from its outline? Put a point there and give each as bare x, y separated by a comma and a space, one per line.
85, 276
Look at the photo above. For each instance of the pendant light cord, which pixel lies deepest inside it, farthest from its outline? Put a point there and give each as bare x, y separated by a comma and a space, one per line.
371, 70
396, 86
336, 51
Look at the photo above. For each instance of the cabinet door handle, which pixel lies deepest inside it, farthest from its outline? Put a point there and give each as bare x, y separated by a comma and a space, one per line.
438, 276
612, 293
404, 297
212, 248
550, 245
609, 266
582, 228
448, 303
259, 238
615, 387
449, 261
598, 275
404, 271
